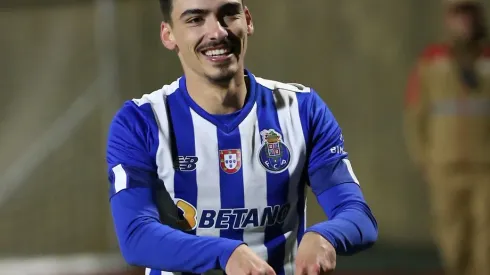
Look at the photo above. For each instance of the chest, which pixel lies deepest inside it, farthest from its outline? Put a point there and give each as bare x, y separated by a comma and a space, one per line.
453, 91
256, 166
445, 79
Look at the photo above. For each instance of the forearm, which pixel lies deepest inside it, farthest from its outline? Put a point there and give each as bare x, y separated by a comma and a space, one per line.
351, 226
144, 241
414, 138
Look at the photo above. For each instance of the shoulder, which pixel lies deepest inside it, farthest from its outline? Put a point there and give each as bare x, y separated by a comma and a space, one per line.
141, 112
311, 105
306, 96
274, 85
290, 91
158, 96
434, 52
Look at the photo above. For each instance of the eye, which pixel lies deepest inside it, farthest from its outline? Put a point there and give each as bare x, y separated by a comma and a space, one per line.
231, 11
194, 20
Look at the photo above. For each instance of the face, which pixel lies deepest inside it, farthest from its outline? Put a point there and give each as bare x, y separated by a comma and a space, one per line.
210, 36
461, 21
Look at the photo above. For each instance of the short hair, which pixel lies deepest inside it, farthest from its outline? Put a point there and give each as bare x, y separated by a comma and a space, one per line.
166, 9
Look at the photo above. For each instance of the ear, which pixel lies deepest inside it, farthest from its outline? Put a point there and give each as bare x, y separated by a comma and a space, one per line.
250, 25
167, 37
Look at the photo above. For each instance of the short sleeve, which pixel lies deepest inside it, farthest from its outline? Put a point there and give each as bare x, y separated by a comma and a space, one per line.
130, 148
328, 163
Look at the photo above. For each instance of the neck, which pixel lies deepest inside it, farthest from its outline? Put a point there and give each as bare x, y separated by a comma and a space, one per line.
218, 98
466, 52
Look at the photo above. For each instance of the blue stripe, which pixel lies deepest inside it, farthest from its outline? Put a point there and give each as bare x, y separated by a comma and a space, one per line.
304, 111
277, 183
155, 272
231, 185
185, 182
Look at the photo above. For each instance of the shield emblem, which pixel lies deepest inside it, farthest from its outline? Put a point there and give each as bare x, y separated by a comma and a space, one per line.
230, 160
274, 150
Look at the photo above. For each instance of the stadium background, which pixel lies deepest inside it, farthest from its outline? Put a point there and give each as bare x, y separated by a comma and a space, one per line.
67, 66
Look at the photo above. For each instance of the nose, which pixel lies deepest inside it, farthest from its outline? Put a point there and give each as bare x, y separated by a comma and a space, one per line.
217, 31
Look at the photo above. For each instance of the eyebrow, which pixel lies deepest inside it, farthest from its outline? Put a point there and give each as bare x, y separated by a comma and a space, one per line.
193, 12
189, 12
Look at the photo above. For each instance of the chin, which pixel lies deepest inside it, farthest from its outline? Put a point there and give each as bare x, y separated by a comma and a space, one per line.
221, 75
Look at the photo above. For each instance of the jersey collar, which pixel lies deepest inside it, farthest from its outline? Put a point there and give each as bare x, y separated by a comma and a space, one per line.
247, 107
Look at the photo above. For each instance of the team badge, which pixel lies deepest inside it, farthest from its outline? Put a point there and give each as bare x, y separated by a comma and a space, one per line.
274, 155
230, 160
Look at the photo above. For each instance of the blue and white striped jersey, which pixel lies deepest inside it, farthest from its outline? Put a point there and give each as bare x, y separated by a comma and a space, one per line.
240, 176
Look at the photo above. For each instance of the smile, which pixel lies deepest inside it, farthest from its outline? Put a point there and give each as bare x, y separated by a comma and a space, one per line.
218, 54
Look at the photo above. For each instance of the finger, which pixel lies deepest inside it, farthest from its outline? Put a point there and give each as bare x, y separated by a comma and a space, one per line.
314, 269
300, 270
271, 271
327, 267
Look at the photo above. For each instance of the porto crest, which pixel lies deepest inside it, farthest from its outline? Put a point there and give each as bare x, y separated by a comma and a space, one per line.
230, 160
274, 155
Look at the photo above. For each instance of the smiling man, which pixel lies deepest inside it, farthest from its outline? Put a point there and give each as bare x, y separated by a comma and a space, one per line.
208, 174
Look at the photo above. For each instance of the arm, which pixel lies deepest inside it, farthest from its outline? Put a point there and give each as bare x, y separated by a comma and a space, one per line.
351, 226
143, 239
415, 115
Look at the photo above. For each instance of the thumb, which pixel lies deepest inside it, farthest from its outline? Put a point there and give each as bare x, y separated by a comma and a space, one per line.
271, 272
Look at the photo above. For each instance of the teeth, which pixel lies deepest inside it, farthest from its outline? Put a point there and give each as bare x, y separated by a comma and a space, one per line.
217, 52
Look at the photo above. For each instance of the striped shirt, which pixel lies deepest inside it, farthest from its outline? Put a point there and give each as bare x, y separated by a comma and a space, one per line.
230, 179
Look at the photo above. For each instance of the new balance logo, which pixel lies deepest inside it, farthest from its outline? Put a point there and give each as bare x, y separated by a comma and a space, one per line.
187, 163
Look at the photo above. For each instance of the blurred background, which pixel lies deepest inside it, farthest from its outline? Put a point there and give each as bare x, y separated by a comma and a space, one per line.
67, 66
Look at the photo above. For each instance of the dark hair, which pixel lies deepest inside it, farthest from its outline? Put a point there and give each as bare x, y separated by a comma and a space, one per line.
166, 9
479, 22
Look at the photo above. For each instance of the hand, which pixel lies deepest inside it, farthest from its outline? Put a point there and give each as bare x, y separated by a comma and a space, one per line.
316, 256
243, 261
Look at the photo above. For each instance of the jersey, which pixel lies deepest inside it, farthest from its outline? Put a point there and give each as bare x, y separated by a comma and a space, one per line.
242, 177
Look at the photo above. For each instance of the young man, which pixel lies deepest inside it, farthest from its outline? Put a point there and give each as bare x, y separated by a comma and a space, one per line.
447, 128
208, 174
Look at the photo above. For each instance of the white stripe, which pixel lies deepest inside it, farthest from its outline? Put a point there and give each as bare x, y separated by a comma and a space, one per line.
207, 171
120, 178
351, 171
290, 122
254, 180
163, 159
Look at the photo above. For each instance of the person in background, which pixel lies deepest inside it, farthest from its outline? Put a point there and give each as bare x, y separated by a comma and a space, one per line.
447, 128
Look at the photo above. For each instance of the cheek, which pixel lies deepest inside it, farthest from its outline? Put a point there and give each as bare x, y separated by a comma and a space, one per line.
186, 42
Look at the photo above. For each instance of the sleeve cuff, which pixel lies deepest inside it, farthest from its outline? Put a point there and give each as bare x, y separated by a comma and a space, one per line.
323, 231
227, 248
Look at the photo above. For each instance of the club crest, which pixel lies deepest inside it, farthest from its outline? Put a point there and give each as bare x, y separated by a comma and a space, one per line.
274, 155
230, 160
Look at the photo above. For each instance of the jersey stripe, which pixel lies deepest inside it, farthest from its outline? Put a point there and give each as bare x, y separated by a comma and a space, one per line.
163, 158
254, 180
276, 193
231, 183
207, 171
289, 120
185, 142
302, 201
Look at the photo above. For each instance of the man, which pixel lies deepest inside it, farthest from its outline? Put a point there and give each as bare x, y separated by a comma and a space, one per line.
208, 174
448, 136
